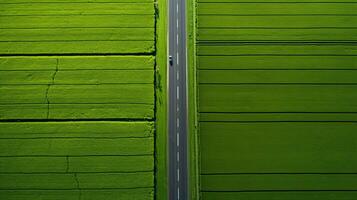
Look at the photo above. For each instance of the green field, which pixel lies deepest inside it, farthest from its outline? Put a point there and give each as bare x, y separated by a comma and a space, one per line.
77, 103
276, 99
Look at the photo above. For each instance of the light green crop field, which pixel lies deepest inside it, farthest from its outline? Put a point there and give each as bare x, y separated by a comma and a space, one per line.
77, 99
77, 87
277, 99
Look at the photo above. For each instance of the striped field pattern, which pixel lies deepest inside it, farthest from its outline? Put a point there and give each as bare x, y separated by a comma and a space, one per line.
77, 99
277, 99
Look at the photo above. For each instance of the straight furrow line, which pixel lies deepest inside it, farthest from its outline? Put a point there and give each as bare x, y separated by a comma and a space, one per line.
79, 40
276, 2
77, 172
75, 189
282, 15
94, 138
331, 190
76, 54
82, 120
63, 156
268, 83
280, 173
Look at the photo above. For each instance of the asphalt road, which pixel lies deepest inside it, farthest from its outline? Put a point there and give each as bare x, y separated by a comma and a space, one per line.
178, 159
